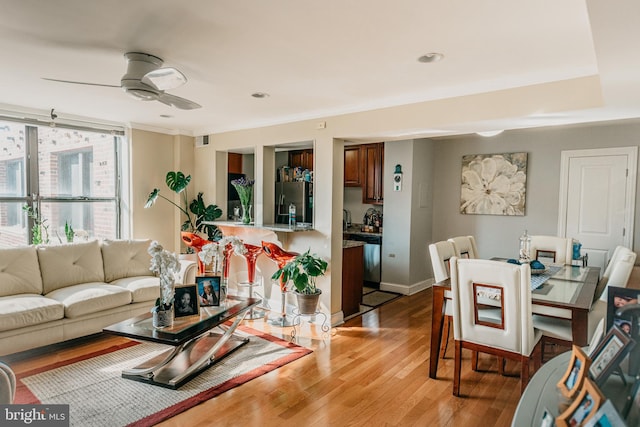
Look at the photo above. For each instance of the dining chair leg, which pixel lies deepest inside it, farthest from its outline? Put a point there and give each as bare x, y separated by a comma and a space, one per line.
524, 373
537, 356
474, 360
501, 364
445, 333
457, 366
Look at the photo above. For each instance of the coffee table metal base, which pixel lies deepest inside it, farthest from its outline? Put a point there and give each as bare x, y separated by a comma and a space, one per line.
176, 366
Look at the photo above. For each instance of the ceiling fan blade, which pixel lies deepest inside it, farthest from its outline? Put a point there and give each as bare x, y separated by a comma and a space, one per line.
176, 101
78, 83
164, 78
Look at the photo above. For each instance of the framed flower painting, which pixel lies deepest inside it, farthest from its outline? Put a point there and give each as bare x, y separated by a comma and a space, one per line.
494, 184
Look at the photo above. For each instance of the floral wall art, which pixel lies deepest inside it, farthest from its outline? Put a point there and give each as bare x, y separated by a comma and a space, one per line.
494, 184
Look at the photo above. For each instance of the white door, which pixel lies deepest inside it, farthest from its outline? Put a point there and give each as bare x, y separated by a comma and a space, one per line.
597, 200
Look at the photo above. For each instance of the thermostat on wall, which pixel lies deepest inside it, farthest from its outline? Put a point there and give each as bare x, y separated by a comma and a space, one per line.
397, 179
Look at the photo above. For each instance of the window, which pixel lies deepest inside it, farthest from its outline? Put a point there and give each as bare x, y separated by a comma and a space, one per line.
69, 174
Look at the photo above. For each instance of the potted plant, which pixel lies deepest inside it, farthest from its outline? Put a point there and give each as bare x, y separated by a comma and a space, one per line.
302, 271
178, 183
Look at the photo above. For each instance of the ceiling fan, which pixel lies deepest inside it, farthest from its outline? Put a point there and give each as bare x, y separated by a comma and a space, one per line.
146, 80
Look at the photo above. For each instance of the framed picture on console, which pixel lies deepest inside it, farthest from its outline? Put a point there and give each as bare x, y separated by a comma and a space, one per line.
571, 381
616, 298
208, 290
606, 416
609, 353
186, 301
583, 407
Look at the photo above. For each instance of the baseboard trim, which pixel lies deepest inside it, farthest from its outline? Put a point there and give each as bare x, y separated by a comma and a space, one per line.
406, 289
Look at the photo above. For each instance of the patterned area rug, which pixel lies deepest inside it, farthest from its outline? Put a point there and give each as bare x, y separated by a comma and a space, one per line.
98, 396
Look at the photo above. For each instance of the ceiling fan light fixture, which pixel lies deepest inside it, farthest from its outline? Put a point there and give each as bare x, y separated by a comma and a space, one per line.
164, 78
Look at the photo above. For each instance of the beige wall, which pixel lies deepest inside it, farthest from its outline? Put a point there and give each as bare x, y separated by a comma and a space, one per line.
209, 162
152, 156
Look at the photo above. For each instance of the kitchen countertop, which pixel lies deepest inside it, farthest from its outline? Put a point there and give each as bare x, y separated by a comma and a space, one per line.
346, 244
273, 227
355, 229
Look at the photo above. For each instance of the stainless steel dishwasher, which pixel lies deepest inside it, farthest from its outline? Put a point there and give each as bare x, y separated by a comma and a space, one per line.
372, 257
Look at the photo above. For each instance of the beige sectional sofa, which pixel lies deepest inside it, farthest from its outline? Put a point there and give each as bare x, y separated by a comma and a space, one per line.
50, 294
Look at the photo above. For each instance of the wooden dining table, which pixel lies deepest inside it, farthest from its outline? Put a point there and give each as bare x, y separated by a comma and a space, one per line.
568, 294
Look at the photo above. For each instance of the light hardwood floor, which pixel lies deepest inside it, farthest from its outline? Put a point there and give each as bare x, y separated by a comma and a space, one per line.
373, 370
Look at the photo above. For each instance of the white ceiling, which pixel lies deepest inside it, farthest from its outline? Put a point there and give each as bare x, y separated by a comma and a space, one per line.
314, 58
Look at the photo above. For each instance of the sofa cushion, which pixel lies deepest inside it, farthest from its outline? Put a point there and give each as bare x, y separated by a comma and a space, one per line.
125, 258
19, 271
142, 288
19, 311
90, 298
68, 265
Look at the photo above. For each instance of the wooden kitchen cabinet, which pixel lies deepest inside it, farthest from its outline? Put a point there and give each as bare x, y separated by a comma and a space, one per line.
234, 163
372, 173
352, 166
302, 158
352, 279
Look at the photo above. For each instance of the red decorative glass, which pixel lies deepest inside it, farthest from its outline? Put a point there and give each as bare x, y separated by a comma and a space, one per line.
227, 251
251, 255
279, 256
196, 242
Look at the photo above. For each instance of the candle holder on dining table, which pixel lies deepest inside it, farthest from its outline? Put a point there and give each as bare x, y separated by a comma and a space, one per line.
281, 258
251, 255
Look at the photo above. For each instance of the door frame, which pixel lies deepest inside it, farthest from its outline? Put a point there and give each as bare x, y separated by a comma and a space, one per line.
630, 196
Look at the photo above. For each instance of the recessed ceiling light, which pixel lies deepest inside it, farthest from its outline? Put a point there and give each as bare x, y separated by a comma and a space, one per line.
166, 116
260, 95
431, 57
490, 132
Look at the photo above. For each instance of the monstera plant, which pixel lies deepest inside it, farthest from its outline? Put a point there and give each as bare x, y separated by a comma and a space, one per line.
195, 212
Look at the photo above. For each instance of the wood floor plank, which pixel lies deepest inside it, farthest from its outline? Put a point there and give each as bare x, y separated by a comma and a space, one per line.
373, 370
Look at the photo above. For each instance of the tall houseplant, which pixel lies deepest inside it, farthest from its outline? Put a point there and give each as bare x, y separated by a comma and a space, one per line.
195, 212
303, 271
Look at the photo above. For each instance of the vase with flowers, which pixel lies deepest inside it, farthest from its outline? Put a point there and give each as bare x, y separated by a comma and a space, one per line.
244, 187
218, 253
165, 264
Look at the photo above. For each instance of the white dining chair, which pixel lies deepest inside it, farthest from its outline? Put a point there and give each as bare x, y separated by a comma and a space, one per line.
512, 335
440, 253
559, 249
465, 246
617, 273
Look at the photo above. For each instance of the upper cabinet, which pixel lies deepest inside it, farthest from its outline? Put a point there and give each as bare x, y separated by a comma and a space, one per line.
372, 173
352, 166
234, 164
302, 158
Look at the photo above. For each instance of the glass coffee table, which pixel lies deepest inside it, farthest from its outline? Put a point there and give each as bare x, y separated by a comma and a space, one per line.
196, 346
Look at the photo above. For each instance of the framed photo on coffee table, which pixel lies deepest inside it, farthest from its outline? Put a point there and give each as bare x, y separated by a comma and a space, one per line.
571, 382
583, 407
609, 353
208, 290
617, 298
186, 301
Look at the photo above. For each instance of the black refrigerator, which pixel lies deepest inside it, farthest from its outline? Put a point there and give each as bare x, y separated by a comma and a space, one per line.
300, 193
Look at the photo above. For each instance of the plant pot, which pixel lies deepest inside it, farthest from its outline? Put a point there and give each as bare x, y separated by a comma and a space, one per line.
162, 318
308, 304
